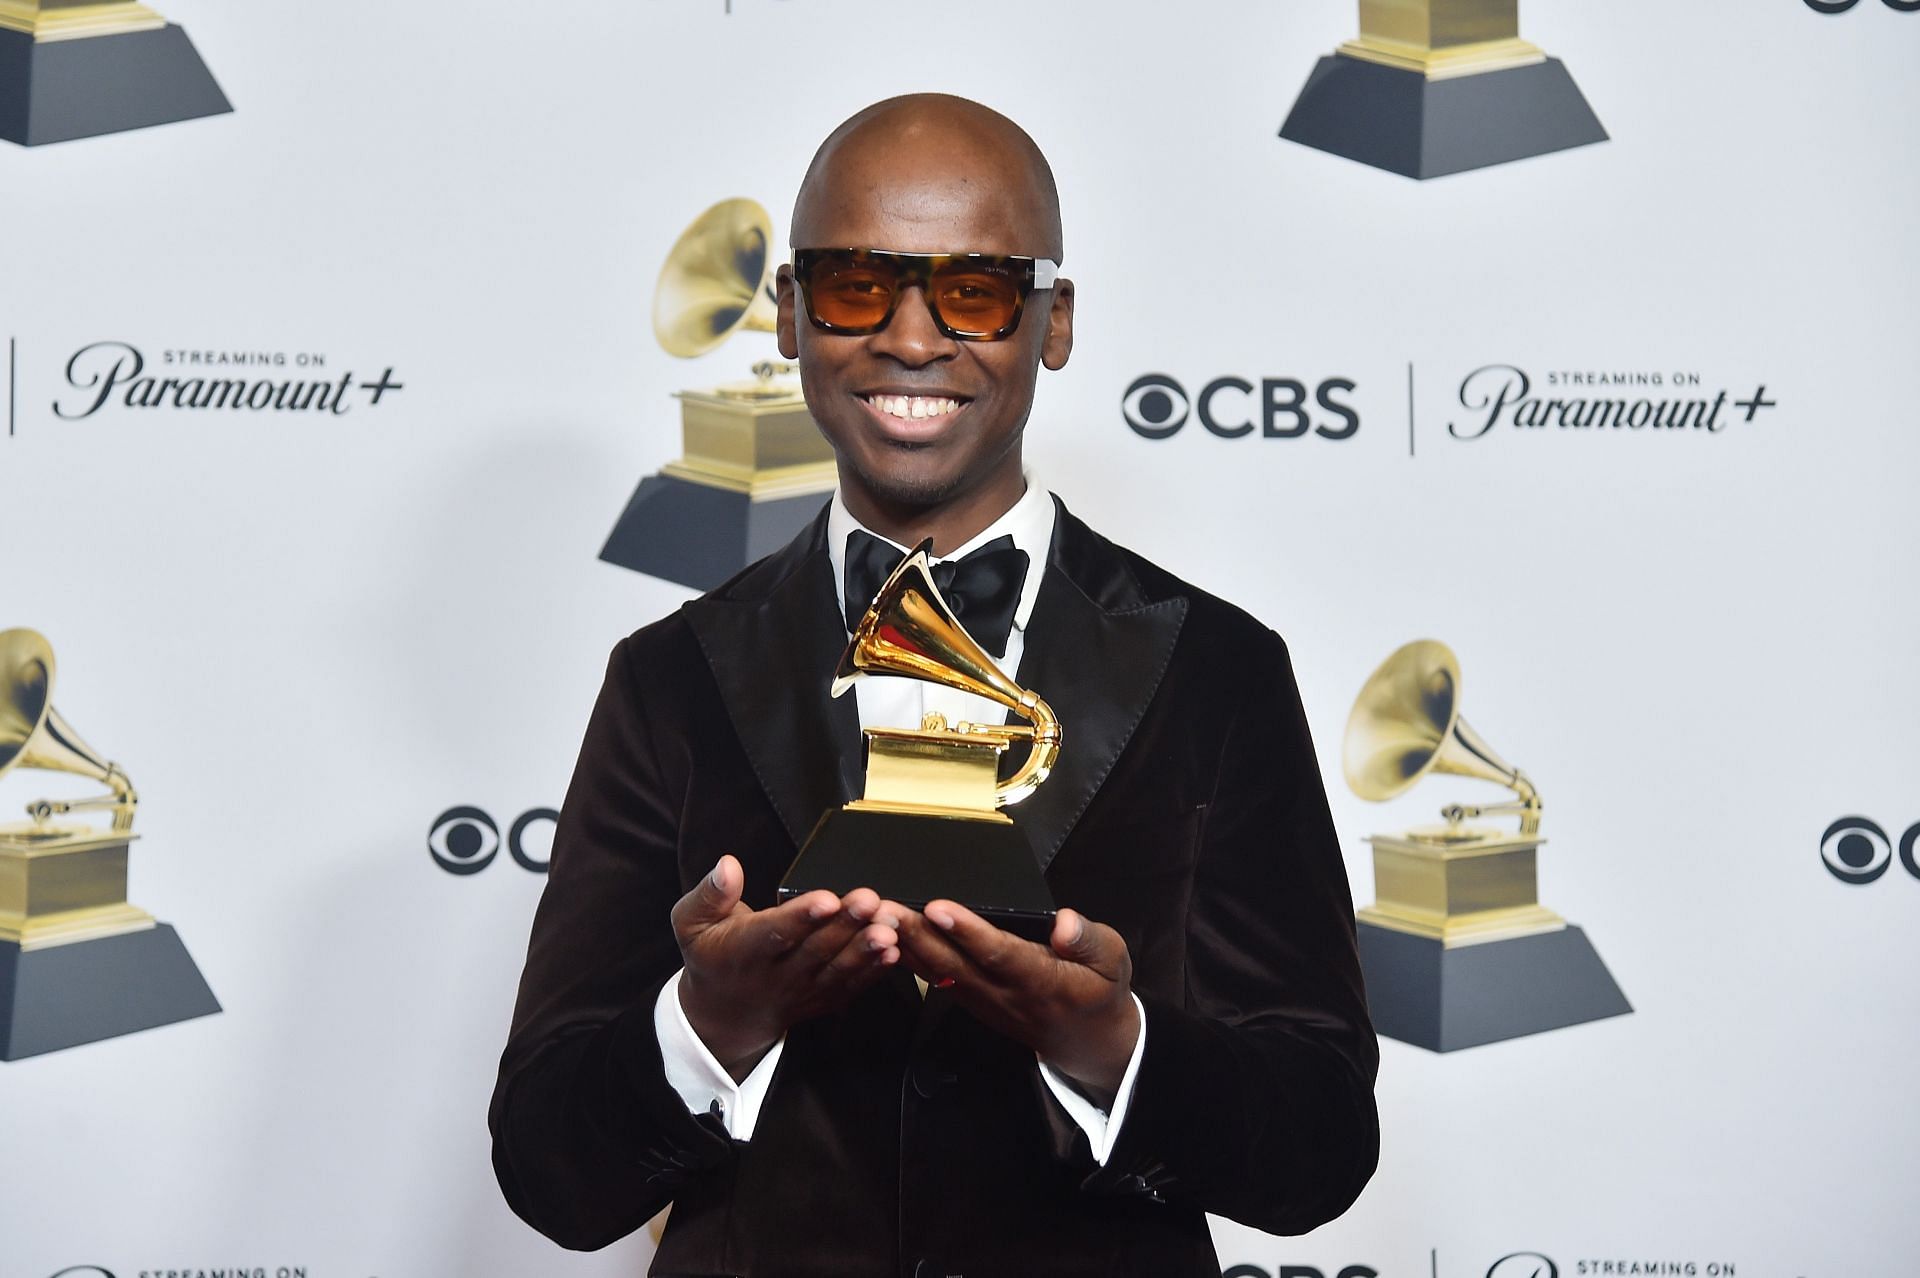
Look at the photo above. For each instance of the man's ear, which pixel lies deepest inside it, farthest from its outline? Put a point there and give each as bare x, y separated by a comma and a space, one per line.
1058, 343
783, 326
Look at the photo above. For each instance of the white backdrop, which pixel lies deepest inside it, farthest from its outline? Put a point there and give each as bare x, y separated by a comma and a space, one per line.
306, 635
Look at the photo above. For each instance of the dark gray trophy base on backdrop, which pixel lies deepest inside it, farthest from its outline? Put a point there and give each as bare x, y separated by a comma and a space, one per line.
700, 536
59, 90
67, 995
1444, 1000
986, 866
1405, 123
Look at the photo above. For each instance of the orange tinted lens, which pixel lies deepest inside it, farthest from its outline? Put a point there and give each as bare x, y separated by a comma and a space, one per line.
976, 299
851, 294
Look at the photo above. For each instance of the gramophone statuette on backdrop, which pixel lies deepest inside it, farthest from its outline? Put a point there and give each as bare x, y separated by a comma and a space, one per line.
753, 466
1457, 949
77, 962
929, 824
1432, 87
81, 68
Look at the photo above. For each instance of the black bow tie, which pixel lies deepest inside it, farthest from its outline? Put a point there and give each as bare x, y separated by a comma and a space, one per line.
982, 588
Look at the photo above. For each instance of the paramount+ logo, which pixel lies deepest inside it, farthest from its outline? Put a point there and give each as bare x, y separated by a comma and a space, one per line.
192, 1271
1157, 406
1536, 1264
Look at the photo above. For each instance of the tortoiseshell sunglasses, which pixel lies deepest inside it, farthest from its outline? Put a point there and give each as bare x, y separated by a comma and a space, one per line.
974, 297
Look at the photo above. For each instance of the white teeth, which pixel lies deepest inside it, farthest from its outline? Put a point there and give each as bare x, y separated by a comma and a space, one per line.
912, 407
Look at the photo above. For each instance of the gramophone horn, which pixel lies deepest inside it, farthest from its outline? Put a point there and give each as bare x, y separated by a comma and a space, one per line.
717, 278
33, 735
1406, 723
910, 631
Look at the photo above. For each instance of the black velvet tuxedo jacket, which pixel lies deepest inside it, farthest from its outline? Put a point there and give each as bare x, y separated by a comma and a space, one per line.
901, 1137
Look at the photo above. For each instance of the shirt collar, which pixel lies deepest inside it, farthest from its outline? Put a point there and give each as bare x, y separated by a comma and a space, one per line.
1028, 521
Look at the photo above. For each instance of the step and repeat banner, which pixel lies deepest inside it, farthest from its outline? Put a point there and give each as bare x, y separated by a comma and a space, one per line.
1554, 376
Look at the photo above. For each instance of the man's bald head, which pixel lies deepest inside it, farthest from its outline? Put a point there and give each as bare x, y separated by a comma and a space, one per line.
908, 158
927, 427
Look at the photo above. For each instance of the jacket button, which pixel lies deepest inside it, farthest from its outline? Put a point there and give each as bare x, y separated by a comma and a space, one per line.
930, 1079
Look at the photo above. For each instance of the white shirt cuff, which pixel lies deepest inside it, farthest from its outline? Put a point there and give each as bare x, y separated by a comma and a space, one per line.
699, 1079
1101, 1126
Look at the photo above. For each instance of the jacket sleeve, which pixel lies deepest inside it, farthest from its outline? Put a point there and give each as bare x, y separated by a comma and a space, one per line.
1255, 1094
589, 1139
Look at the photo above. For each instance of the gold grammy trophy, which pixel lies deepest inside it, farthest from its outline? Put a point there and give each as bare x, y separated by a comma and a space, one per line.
77, 962
82, 68
754, 466
1457, 948
930, 823
1433, 87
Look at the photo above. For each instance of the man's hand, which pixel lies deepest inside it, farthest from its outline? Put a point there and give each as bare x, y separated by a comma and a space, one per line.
751, 974
1069, 1000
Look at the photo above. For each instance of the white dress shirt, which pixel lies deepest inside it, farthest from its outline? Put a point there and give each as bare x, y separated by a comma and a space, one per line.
886, 702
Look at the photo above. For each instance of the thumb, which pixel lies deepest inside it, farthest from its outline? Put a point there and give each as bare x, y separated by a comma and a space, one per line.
1073, 937
1078, 939
713, 897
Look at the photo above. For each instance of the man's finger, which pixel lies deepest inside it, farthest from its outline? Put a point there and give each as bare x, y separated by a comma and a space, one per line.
831, 932
711, 899
928, 950
1078, 939
985, 946
791, 923
868, 951
856, 911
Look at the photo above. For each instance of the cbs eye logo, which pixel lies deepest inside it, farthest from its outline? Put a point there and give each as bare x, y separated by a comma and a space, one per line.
1858, 851
1156, 406
465, 840
1841, 6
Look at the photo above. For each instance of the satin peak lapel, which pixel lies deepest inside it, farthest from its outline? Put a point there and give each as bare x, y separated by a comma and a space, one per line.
772, 639
1097, 648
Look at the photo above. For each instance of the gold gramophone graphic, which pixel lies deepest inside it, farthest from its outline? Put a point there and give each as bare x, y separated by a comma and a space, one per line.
754, 465
1433, 87
1457, 948
77, 962
80, 68
930, 824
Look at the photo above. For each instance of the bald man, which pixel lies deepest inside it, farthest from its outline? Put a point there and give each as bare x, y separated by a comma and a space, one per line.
1191, 1038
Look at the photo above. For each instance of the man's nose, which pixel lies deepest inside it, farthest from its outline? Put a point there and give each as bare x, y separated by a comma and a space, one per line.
911, 336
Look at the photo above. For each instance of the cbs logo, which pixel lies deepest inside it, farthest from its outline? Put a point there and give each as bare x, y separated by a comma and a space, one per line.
465, 840
1858, 851
1156, 406
1841, 6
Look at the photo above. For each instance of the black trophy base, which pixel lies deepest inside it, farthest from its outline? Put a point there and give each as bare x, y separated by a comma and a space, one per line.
1444, 1000
59, 90
1405, 123
67, 995
700, 536
984, 865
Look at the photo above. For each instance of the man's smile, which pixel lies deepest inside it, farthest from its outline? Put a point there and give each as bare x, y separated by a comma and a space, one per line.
909, 417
